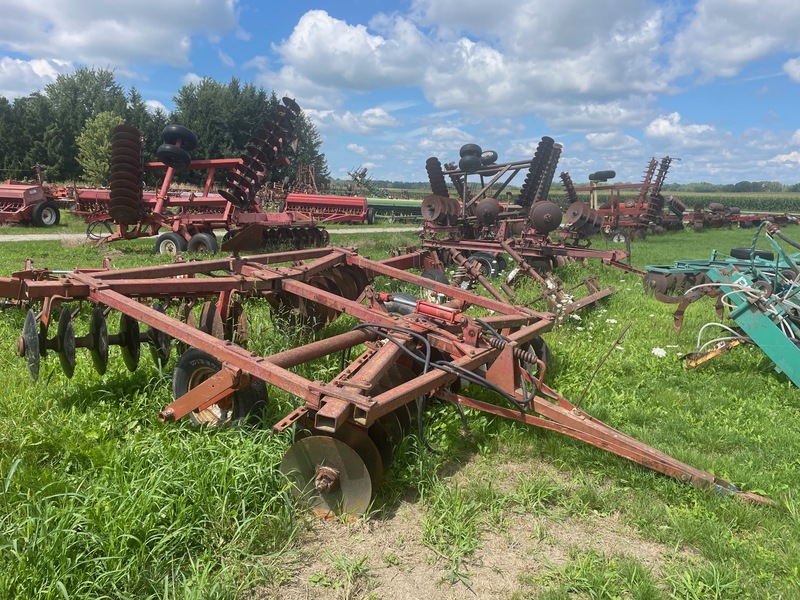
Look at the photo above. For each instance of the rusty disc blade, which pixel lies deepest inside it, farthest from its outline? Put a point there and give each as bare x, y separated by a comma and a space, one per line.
124, 136
130, 343
311, 459
125, 128
125, 215
65, 336
30, 345
125, 197
359, 440
134, 157
210, 321
98, 333
231, 197
160, 343
126, 144
125, 176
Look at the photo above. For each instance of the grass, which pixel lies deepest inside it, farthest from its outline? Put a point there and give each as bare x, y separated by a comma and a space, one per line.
99, 500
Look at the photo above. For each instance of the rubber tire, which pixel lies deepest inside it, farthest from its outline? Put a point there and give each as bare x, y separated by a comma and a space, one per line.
371, 211
618, 236
46, 214
172, 133
470, 150
173, 156
203, 243
249, 403
744, 253
168, 241
488, 157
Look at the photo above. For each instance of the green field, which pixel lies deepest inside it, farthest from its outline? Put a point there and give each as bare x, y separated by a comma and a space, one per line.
100, 500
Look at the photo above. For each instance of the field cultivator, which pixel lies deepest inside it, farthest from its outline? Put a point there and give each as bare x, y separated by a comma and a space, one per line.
125, 211
760, 289
402, 352
718, 215
479, 231
621, 218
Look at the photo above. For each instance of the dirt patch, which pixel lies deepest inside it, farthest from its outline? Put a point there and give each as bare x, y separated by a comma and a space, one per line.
387, 559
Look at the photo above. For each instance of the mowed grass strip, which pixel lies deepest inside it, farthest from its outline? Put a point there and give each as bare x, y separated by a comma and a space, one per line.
99, 500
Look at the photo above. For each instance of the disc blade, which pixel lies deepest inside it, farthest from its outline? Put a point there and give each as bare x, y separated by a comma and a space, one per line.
307, 462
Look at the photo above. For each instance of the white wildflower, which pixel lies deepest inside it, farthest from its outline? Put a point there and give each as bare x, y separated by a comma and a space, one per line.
575, 316
579, 328
611, 321
659, 352
618, 347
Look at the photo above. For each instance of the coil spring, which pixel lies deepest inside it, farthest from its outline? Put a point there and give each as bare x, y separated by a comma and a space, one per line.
520, 354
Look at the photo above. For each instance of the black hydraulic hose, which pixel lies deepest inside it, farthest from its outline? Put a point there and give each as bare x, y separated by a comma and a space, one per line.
787, 239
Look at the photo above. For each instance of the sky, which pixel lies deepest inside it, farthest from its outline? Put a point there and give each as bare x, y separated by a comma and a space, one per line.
389, 83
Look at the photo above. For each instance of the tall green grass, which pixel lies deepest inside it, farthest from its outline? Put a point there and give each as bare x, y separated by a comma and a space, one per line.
99, 500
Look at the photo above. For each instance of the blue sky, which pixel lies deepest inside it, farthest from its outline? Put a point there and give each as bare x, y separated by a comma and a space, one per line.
390, 83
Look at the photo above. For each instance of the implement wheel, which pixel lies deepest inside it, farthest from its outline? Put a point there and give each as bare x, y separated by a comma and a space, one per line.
246, 405
46, 214
170, 243
203, 243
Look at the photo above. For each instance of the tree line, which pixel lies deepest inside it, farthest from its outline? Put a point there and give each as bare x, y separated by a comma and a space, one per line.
67, 126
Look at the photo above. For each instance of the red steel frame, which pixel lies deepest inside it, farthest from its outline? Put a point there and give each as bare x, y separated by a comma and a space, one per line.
347, 398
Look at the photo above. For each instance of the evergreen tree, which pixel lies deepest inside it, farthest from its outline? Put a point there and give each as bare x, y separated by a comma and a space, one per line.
76, 98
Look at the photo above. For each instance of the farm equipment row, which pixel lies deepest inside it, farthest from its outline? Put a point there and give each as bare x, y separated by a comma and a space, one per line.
479, 231
402, 353
653, 212
760, 289
189, 220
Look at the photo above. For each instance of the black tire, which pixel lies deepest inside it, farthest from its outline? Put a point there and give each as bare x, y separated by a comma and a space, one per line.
470, 163
46, 214
203, 243
493, 263
371, 212
173, 133
247, 405
170, 243
489, 157
602, 175
618, 236
174, 157
744, 253
486, 263
470, 150
436, 275
97, 230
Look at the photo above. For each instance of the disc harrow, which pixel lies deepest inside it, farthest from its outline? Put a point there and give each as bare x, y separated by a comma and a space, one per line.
405, 350
188, 220
479, 229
